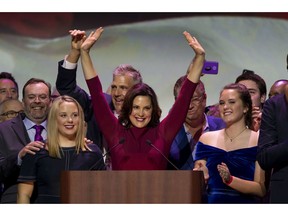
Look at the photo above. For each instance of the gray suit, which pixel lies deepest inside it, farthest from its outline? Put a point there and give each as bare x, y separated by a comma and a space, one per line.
13, 137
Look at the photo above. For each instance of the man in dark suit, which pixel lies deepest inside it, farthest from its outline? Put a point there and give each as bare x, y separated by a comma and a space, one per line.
196, 123
9, 90
8, 86
273, 146
17, 135
124, 77
277, 87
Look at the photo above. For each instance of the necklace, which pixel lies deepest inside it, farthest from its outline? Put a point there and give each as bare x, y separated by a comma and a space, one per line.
230, 138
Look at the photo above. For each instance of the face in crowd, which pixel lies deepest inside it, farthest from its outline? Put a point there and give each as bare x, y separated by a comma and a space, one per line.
257, 98
197, 103
8, 90
68, 119
141, 111
10, 109
278, 88
124, 77
66, 125
235, 104
140, 108
119, 88
256, 86
36, 100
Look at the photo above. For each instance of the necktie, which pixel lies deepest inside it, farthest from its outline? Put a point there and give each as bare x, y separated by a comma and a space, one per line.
195, 139
38, 129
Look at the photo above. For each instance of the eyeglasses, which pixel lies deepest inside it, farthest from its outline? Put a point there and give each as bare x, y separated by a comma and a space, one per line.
11, 113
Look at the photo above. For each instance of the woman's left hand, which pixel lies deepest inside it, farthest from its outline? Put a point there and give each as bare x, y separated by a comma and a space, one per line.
194, 44
224, 172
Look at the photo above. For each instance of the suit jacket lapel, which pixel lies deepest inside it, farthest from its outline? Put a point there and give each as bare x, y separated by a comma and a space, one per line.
18, 127
181, 138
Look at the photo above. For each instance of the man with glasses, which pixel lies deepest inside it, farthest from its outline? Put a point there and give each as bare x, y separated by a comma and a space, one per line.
18, 135
8, 90
10, 109
196, 123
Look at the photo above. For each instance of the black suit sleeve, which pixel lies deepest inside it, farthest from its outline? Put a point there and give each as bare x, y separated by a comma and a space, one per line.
273, 137
8, 167
66, 85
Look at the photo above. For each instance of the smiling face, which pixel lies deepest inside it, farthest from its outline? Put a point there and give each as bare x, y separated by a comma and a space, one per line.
119, 87
67, 120
10, 109
36, 102
231, 107
141, 111
8, 90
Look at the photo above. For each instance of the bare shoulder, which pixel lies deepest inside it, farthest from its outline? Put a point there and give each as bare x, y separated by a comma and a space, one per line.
210, 137
254, 138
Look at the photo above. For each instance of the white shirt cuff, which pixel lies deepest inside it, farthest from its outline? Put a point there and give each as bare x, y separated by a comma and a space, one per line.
68, 65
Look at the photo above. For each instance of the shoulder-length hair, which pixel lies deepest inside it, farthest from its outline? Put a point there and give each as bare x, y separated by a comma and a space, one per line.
140, 89
245, 96
53, 128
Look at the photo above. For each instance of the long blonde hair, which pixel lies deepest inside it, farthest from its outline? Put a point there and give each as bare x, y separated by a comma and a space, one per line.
52, 127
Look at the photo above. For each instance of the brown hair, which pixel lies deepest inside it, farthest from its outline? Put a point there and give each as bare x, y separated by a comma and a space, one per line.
143, 90
246, 99
34, 81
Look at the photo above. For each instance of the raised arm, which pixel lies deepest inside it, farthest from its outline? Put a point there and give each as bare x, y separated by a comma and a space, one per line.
66, 82
177, 114
195, 67
88, 69
76, 42
104, 116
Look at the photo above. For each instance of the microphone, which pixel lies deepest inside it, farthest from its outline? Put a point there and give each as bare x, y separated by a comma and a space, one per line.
151, 144
121, 141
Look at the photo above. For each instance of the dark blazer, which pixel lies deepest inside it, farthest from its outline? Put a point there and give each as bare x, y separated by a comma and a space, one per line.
273, 146
183, 159
66, 85
13, 137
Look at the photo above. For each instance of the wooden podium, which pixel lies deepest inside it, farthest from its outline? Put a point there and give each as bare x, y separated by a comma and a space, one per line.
157, 186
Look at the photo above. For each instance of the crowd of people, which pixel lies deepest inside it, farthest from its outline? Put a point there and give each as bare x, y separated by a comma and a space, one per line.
241, 150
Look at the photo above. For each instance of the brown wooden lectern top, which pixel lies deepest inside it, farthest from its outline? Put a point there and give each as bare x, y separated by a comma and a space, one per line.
157, 186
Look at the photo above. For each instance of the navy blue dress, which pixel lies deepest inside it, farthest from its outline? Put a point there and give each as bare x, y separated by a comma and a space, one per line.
46, 170
241, 163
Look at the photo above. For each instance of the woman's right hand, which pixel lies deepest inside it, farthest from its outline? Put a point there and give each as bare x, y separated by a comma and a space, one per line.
91, 39
201, 166
194, 44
